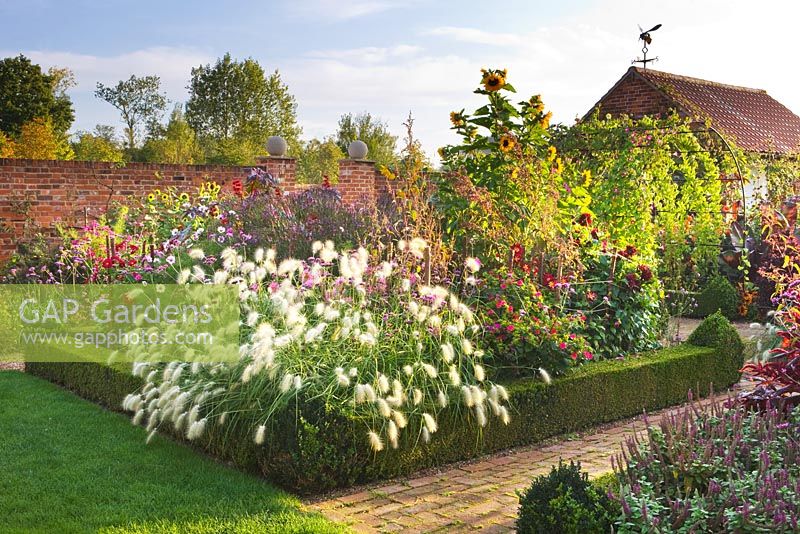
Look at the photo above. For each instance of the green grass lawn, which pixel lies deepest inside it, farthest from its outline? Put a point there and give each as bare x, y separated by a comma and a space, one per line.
67, 465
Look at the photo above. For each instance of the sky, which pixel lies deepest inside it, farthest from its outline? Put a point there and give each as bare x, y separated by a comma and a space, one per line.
392, 57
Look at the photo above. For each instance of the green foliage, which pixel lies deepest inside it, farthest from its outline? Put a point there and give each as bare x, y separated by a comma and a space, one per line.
175, 143
505, 185
528, 330
653, 185
320, 448
563, 501
139, 101
781, 171
38, 139
717, 331
374, 132
608, 482
100, 476
718, 294
234, 107
712, 469
621, 299
317, 160
26, 93
96, 147
6, 146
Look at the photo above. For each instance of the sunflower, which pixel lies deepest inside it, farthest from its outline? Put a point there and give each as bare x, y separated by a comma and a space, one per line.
388, 174
507, 143
494, 80
545, 122
536, 104
184, 197
151, 198
457, 119
551, 153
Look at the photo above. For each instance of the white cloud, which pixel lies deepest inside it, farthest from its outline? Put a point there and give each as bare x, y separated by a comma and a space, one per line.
369, 54
476, 36
173, 65
337, 10
329, 83
572, 61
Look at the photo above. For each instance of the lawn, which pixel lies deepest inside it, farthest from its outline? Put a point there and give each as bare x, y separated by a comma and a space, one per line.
67, 465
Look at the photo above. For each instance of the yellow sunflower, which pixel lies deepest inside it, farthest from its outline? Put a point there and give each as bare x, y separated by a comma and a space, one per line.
384, 170
456, 118
507, 143
545, 122
151, 198
494, 80
184, 197
551, 153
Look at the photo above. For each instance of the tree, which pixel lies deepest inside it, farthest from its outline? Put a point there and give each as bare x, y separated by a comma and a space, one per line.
318, 159
27, 93
99, 145
374, 132
234, 107
175, 143
61, 80
6, 146
107, 132
138, 100
38, 139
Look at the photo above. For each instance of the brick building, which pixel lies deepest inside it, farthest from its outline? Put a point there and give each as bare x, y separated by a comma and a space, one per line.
750, 118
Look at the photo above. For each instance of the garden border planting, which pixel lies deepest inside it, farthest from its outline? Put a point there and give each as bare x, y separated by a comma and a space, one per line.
326, 449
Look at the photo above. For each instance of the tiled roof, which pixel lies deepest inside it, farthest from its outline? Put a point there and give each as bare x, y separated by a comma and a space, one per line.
750, 117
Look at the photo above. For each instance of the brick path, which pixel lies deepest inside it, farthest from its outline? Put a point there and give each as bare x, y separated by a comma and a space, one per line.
478, 495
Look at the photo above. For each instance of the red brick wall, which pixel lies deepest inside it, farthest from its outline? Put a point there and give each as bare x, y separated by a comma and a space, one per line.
36, 195
635, 97
357, 181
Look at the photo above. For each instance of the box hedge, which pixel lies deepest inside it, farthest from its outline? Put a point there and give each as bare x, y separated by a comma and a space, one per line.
315, 448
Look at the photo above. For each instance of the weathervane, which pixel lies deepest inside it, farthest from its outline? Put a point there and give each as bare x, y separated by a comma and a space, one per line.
644, 36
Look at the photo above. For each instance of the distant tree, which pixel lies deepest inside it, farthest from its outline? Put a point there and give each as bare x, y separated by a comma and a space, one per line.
175, 143
61, 80
38, 139
99, 145
234, 107
27, 93
107, 132
318, 159
139, 101
381, 144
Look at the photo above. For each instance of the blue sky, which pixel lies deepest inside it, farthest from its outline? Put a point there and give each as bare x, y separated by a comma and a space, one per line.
392, 56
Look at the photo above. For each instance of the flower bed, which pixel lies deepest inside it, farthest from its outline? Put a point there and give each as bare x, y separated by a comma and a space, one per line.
318, 448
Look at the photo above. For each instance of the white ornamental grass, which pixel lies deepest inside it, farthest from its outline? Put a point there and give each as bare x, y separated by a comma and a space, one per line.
359, 333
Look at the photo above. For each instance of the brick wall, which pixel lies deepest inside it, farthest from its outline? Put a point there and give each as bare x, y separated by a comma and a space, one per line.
635, 97
36, 195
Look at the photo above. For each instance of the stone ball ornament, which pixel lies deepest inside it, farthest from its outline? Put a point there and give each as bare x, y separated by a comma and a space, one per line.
276, 146
357, 150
